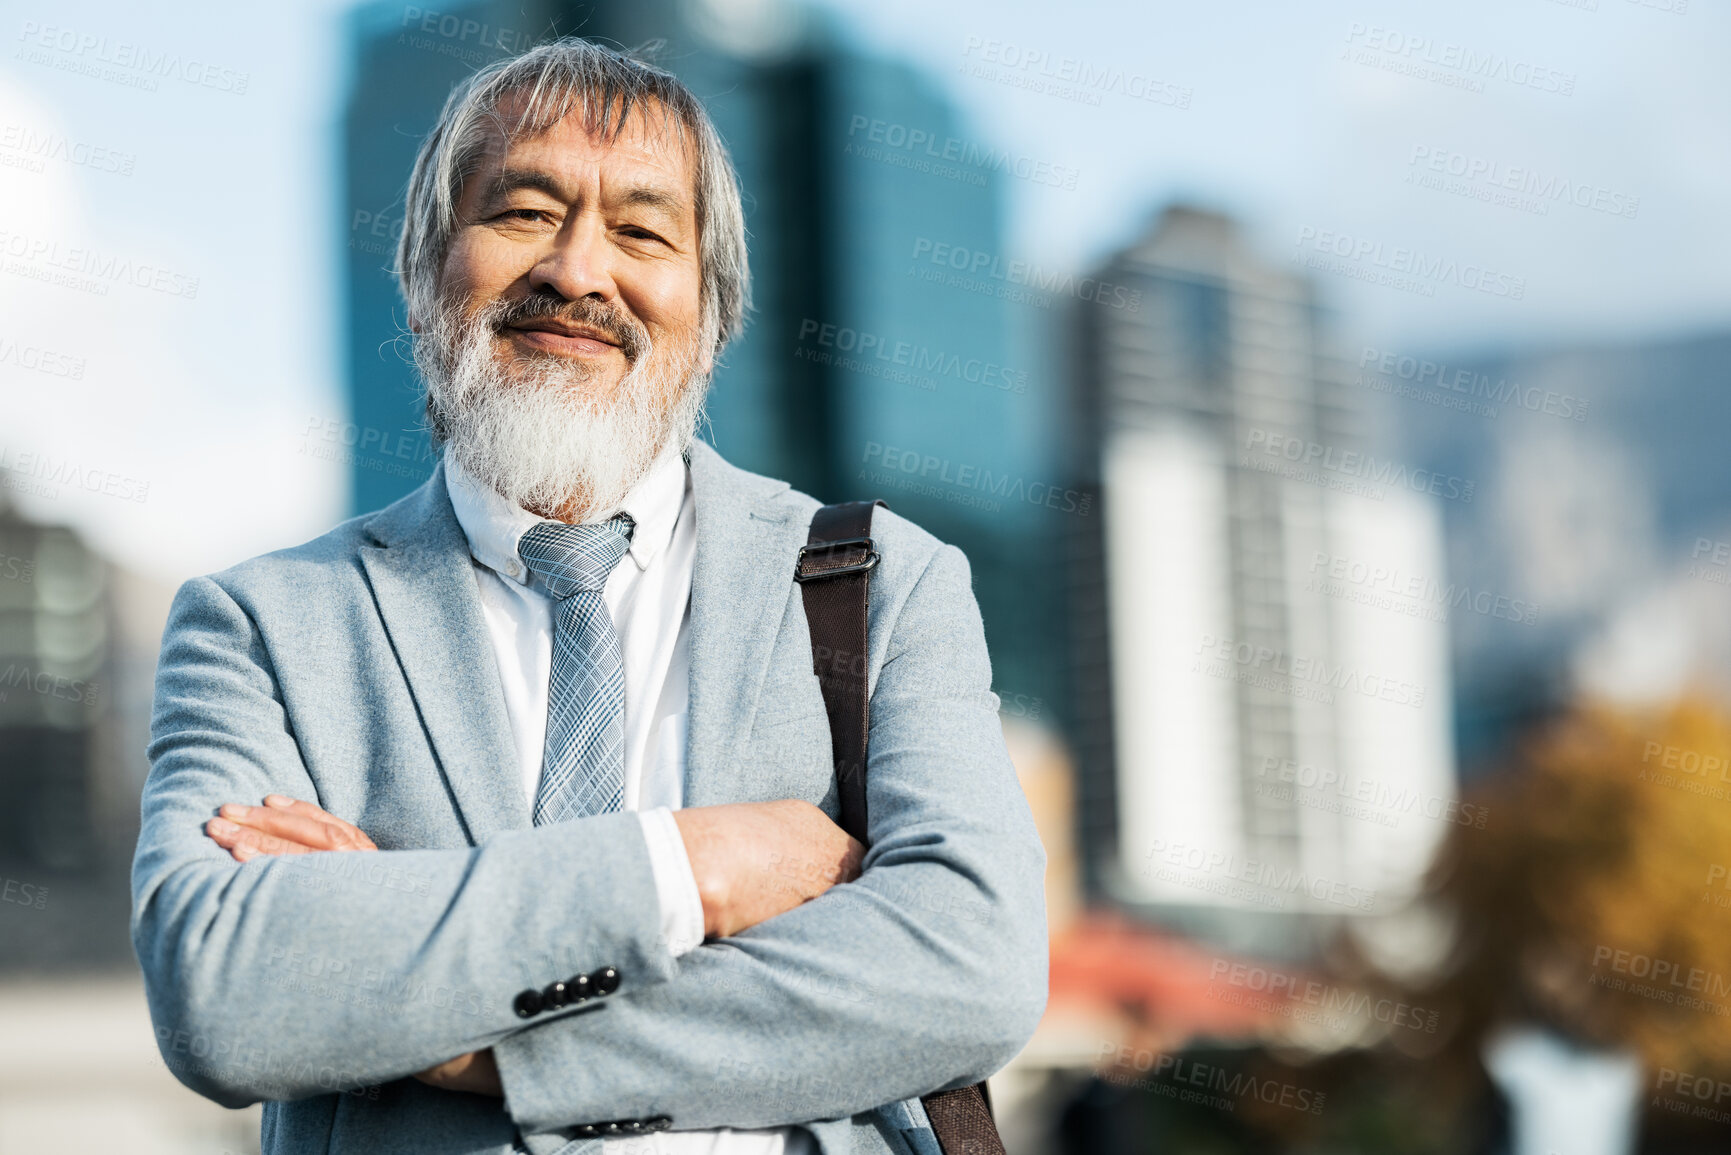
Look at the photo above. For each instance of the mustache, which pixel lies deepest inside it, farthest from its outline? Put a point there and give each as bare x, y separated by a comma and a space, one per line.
631, 337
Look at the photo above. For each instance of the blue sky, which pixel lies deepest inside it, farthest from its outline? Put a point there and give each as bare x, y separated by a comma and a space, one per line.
1305, 120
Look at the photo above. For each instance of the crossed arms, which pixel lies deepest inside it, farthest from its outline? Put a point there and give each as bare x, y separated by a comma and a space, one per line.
925, 971
727, 846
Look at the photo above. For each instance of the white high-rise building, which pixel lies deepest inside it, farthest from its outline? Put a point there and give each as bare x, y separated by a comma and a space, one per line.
1266, 721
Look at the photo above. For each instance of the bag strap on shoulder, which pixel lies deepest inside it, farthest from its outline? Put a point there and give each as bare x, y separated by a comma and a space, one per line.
834, 572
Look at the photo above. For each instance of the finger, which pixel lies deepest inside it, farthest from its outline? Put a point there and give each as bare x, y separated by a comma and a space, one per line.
226, 835
245, 843
309, 810
285, 824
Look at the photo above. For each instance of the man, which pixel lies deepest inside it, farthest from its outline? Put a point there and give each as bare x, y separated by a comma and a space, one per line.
499, 819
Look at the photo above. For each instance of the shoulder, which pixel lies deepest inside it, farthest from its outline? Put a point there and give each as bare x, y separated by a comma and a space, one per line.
908, 552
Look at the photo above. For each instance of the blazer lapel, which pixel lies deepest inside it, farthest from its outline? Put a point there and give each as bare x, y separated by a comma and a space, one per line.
423, 582
741, 583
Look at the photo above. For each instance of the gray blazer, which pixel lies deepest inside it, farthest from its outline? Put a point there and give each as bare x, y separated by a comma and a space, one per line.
355, 671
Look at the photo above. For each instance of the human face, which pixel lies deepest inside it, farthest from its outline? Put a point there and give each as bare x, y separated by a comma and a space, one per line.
604, 234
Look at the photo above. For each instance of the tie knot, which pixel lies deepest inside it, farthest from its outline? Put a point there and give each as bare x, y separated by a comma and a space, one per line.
574, 558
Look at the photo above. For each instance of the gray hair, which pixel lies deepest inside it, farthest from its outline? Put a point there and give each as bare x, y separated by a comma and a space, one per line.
607, 86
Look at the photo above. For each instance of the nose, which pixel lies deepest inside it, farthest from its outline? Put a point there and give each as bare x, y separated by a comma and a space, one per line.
578, 263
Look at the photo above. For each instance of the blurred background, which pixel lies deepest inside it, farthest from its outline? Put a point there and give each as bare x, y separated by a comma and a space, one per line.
1331, 400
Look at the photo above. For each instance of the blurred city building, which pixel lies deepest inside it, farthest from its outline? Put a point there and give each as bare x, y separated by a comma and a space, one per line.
1605, 508
53, 644
78, 643
1263, 716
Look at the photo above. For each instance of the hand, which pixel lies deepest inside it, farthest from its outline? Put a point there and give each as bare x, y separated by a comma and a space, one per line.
475, 1072
755, 860
282, 826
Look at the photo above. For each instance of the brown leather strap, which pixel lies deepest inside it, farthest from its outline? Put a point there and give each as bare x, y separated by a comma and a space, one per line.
962, 1119
834, 572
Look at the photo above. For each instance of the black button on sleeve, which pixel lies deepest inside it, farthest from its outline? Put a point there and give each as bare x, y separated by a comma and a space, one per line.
606, 981
527, 1004
581, 987
657, 1123
555, 995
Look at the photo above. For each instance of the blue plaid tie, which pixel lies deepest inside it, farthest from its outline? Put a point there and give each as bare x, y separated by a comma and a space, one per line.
583, 764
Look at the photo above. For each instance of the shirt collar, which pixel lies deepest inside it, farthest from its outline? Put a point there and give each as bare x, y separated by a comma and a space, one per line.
494, 525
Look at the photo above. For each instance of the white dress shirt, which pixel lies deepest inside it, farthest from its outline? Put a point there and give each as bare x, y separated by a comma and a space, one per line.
648, 596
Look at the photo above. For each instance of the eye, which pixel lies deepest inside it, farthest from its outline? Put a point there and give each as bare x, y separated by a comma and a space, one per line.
535, 215
641, 233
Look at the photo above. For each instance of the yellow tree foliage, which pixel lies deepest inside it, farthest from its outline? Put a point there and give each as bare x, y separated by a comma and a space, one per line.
1597, 900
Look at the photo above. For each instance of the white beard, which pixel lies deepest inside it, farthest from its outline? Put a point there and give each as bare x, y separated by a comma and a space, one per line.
533, 429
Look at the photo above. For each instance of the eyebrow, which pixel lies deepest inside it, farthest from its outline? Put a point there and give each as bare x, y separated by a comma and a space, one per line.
512, 179
647, 196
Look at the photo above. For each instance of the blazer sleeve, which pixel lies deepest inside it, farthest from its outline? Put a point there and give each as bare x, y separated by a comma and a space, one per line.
291, 976
927, 972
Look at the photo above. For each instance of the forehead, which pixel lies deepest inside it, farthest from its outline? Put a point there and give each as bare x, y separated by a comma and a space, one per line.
647, 146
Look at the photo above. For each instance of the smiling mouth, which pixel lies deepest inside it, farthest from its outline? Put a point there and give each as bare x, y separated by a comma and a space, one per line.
571, 341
